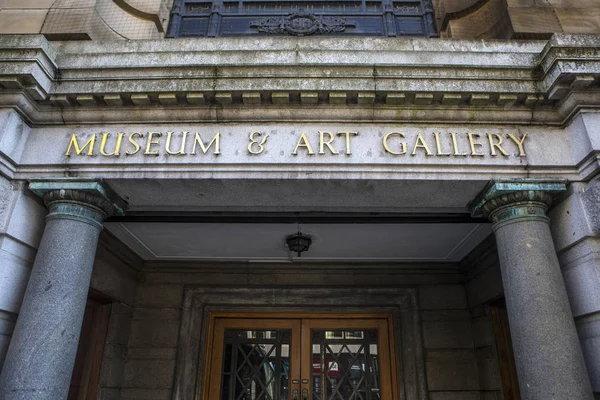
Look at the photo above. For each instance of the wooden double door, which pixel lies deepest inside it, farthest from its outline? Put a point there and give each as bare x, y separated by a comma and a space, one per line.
301, 357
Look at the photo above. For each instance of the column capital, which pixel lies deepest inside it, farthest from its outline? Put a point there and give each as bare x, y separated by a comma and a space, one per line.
88, 201
507, 199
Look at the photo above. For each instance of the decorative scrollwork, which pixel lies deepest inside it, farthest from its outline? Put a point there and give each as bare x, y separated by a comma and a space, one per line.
78, 196
405, 9
301, 23
274, 25
536, 196
199, 8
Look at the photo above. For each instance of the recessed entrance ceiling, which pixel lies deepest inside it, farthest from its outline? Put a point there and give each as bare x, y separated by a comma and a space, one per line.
265, 242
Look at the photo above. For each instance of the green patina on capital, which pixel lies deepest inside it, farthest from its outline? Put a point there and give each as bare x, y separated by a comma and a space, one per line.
538, 190
94, 192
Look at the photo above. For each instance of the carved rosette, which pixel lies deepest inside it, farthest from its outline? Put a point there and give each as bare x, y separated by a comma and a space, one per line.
88, 202
517, 205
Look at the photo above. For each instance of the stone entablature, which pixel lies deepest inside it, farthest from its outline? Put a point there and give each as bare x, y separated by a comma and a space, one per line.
528, 82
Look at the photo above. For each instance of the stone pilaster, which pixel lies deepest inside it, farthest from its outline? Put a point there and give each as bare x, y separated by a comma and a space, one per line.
40, 357
548, 355
576, 233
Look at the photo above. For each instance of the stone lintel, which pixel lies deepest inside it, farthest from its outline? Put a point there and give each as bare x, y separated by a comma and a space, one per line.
97, 188
499, 187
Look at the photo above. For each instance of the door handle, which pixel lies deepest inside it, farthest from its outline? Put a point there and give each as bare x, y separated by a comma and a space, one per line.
305, 394
295, 394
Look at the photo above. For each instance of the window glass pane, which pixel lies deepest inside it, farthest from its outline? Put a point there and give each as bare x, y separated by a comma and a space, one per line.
345, 365
256, 365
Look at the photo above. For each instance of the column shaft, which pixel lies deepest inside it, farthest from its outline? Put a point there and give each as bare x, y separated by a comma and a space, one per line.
547, 351
41, 354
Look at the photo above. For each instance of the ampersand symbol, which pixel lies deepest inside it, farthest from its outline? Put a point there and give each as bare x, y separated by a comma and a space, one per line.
256, 147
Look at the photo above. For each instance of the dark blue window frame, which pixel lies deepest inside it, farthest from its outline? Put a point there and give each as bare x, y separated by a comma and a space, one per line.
224, 18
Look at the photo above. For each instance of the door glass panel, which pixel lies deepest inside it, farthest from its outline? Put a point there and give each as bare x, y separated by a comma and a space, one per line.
256, 365
345, 365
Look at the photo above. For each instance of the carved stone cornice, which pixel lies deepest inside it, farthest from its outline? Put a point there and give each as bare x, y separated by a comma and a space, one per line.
243, 80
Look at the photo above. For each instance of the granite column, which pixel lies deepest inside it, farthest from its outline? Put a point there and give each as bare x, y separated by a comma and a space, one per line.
42, 351
548, 356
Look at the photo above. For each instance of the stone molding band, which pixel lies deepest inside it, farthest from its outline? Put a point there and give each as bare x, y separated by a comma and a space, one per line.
62, 209
514, 212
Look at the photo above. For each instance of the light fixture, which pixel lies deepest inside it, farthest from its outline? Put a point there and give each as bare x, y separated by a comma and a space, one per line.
298, 242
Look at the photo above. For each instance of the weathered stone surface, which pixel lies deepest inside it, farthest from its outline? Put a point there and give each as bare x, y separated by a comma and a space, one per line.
547, 351
41, 354
442, 297
146, 394
589, 333
51, 314
21, 21
159, 295
455, 395
481, 71
452, 376
154, 333
149, 373
447, 334
483, 332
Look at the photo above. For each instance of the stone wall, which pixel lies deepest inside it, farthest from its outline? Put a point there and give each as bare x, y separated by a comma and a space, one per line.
115, 276
456, 344
516, 19
484, 286
576, 233
148, 19
85, 19
21, 225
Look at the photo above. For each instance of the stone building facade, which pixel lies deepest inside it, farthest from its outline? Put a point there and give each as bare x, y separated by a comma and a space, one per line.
150, 189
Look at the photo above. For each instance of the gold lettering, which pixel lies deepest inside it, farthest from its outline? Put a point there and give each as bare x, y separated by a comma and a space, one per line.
496, 144
216, 140
323, 143
150, 141
181, 150
348, 151
420, 143
78, 150
303, 142
473, 144
402, 144
133, 142
438, 145
455, 146
254, 141
519, 143
105, 136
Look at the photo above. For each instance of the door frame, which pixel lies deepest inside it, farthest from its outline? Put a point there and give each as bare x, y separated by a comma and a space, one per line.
309, 320
200, 301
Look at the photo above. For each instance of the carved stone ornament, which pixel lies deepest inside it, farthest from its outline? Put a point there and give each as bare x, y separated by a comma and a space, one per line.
514, 198
522, 193
406, 9
301, 23
87, 201
77, 196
